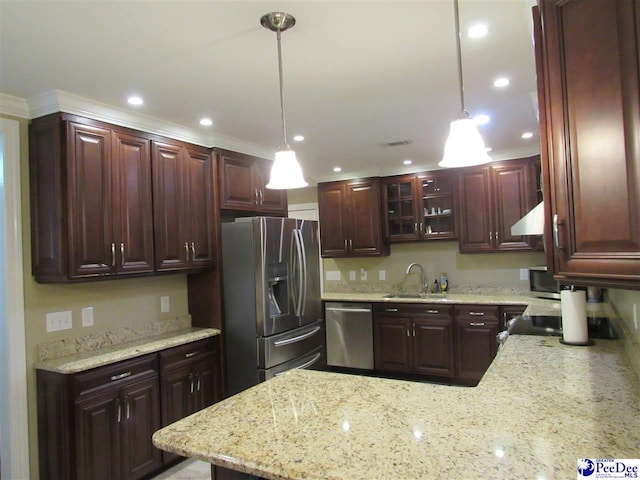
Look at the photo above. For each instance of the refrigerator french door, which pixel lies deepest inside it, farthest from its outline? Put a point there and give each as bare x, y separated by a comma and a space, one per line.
272, 307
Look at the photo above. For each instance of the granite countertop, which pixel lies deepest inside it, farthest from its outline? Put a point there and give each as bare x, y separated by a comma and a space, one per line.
539, 408
103, 356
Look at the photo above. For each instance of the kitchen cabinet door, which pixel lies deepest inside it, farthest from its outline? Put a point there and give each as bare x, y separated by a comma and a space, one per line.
199, 193
399, 199
90, 192
133, 216
141, 418
183, 207
433, 346
243, 179
392, 344
590, 67
98, 450
350, 219
492, 198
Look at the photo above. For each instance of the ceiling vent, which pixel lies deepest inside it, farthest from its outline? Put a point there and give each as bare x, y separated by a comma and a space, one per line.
397, 143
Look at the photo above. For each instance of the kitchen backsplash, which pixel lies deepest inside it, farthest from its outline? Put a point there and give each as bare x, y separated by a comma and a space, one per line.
99, 340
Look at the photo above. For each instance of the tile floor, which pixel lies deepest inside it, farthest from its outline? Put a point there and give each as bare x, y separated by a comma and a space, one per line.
187, 470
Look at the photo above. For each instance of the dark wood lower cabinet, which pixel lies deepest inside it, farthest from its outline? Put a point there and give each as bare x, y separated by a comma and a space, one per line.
98, 424
414, 339
456, 343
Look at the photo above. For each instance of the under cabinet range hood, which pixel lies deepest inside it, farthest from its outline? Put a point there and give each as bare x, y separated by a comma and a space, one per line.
532, 223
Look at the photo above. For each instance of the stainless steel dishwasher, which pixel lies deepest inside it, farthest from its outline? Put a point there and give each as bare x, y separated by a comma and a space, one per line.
349, 329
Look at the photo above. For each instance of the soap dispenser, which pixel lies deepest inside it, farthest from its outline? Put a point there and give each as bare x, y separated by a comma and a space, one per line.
444, 283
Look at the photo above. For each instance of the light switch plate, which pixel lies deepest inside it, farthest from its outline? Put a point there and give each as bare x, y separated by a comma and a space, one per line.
352, 275
363, 274
59, 321
382, 275
164, 304
87, 317
524, 274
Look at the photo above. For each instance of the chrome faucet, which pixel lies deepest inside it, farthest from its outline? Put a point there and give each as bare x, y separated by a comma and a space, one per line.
423, 278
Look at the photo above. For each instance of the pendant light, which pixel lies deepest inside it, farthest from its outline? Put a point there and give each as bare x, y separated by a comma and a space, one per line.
464, 146
285, 172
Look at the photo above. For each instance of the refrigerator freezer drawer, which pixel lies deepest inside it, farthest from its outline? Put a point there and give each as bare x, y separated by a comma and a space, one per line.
283, 347
314, 360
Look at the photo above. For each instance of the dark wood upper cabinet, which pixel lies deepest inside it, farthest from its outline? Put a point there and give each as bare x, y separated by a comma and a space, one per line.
350, 218
492, 198
91, 211
588, 71
183, 206
420, 207
243, 179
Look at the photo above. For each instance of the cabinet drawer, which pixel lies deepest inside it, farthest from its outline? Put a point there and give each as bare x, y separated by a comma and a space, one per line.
477, 312
178, 357
434, 310
118, 374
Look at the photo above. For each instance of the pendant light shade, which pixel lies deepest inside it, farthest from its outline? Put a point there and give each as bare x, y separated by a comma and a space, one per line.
464, 146
285, 172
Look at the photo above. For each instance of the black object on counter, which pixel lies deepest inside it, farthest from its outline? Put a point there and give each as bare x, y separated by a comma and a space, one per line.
598, 327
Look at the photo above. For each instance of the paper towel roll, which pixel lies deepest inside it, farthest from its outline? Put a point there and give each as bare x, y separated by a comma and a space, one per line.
574, 316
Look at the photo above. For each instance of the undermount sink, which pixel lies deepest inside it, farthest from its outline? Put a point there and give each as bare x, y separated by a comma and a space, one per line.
414, 295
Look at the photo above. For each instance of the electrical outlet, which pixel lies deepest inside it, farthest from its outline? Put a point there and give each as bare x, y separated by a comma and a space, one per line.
352, 275
59, 321
164, 304
382, 275
524, 274
363, 274
87, 317
332, 275
635, 315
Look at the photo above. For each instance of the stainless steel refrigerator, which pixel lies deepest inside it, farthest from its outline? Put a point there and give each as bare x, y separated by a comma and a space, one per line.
272, 308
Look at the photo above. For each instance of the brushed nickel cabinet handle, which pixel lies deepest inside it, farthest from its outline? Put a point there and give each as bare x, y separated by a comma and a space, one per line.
193, 251
432, 311
113, 254
191, 354
126, 402
390, 309
122, 254
186, 250
118, 410
414, 329
477, 324
120, 376
476, 314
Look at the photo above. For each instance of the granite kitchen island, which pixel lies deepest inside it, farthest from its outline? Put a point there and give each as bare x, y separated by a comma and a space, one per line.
539, 408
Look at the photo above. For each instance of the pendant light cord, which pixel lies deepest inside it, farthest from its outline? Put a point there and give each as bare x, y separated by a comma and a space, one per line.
284, 124
457, 21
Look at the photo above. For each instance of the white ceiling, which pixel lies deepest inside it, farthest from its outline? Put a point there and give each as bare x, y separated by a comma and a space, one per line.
356, 74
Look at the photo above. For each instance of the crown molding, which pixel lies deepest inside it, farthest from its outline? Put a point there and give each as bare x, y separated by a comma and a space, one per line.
14, 106
60, 101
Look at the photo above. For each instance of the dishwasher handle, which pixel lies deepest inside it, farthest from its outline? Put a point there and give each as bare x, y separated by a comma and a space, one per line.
350, 310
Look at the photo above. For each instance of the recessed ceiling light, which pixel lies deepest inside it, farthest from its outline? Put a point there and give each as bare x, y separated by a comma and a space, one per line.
481, 119
206, 122
337, 169
501, 82
298, 138
407, 162
526, 135
478, 30
135, 100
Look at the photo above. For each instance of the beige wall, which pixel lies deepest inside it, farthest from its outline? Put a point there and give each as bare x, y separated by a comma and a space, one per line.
116, 303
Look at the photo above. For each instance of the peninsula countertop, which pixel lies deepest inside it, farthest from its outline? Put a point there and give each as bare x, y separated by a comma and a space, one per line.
540, 407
